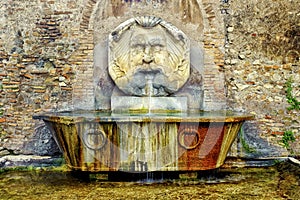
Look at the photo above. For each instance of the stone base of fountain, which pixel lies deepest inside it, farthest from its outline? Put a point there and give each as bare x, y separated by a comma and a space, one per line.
125, 104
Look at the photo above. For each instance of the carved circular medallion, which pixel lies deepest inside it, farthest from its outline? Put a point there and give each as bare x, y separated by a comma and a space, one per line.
189, 138
94, 139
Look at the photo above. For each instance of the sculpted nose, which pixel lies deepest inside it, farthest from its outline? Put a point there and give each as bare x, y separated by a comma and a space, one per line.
148, 58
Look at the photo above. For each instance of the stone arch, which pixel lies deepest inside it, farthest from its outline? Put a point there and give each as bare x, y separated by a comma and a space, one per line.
87, 13
189, 10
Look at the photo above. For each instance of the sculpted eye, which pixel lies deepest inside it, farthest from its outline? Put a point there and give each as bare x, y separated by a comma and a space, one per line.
138, 47
157, 47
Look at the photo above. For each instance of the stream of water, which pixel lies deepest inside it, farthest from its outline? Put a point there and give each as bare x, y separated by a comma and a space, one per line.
149, 91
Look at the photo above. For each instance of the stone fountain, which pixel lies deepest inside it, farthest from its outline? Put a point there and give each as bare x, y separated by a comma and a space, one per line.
153, 123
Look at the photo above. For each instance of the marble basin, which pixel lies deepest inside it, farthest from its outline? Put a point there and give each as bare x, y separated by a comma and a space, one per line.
98, 141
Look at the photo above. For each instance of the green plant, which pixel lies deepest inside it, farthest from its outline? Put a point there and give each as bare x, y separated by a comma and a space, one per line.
294, 103
288, 136
245, 145
277, 161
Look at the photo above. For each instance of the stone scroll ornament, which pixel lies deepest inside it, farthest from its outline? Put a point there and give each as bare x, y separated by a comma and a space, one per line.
148, 56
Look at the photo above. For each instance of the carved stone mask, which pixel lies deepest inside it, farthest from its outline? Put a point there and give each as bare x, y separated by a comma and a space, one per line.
148, 56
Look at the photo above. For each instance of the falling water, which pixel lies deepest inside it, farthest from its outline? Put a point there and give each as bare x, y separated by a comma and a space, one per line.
149, 90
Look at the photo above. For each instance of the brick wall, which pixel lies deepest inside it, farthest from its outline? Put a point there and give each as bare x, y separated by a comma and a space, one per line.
38, 45
262, 53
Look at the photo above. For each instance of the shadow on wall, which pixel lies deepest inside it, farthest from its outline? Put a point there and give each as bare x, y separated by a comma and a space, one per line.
41, 143
251, 145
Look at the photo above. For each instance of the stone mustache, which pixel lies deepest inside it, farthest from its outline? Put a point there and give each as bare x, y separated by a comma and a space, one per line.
148, 56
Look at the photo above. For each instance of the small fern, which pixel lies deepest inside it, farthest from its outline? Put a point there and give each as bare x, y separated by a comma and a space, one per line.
288, 136
294, 103
245, 145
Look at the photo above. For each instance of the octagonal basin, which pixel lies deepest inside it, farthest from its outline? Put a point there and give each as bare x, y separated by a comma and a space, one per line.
98, 141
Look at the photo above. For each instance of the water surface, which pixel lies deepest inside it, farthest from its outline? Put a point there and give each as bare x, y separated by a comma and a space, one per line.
279, 182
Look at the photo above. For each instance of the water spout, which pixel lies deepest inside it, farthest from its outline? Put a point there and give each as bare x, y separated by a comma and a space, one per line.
149, 85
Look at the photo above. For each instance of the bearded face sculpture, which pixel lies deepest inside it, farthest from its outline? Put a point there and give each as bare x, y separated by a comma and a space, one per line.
148, 56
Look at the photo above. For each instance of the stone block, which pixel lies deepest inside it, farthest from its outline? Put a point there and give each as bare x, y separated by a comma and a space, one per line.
148, 104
